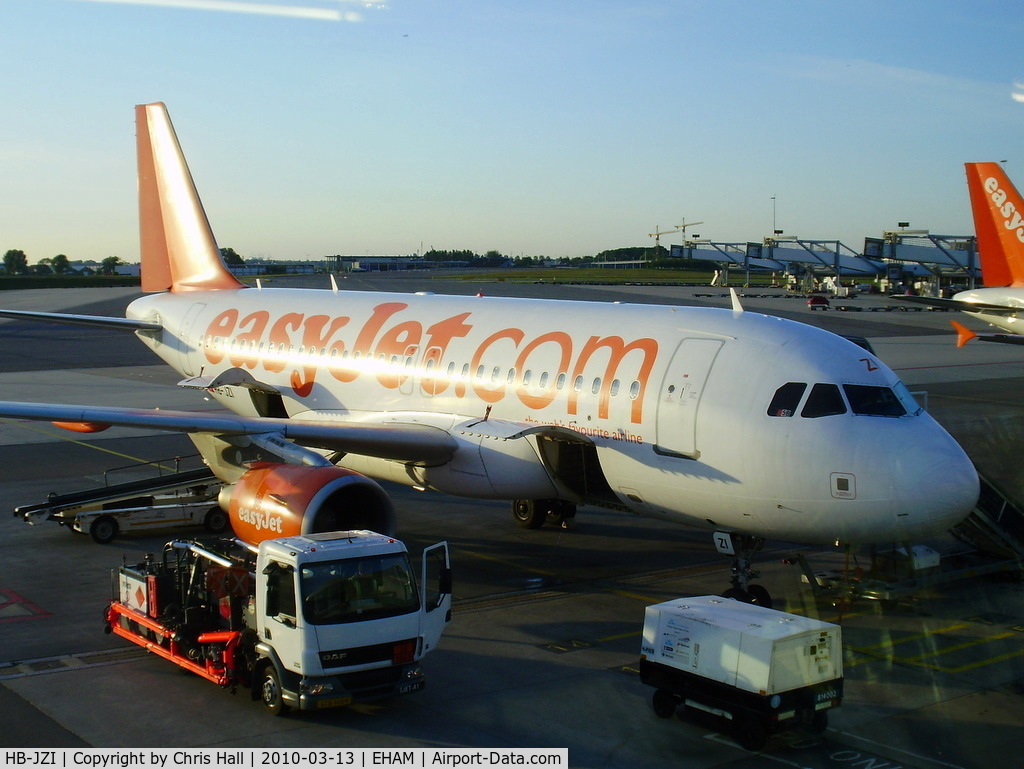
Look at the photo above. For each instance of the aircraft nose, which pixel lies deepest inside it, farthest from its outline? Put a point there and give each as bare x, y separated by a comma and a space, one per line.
936, 484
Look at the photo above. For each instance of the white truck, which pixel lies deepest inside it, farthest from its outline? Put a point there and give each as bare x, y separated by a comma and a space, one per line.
308, 621
757, 670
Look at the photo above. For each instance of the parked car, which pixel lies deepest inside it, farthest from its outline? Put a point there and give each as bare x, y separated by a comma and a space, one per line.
818, 303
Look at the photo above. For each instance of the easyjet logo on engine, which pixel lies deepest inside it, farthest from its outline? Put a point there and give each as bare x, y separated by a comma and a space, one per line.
1012, 218
311, 344
261, 521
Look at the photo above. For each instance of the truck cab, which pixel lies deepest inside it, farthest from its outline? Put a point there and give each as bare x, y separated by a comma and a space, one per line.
340, 618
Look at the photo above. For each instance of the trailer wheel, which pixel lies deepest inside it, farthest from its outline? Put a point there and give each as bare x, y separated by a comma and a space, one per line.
270, 691
103, 530
751, 734
819, 722
665, 703
216, 520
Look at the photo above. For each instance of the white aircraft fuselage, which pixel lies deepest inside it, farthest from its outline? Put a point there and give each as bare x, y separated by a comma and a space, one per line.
717, 418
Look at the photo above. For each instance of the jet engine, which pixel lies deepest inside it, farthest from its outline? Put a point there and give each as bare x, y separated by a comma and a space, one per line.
276, 500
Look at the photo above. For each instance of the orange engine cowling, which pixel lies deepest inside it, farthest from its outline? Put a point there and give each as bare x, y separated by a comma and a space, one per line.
274, 500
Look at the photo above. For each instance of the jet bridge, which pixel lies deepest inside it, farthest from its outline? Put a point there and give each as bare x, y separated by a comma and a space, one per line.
790, 255
993, 534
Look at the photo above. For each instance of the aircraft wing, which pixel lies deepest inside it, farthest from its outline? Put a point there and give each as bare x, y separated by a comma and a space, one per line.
954, 304
401, 441
82, 320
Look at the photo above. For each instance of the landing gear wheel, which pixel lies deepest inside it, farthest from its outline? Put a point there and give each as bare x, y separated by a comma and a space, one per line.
737, 594
271, 693
216, 520
759, 596
665, 703
103, 530
529, 513
750, 734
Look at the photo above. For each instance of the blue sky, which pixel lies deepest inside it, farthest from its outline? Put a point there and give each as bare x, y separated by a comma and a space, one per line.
534, 127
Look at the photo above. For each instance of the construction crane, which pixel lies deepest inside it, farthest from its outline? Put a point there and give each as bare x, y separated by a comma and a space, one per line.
676, 228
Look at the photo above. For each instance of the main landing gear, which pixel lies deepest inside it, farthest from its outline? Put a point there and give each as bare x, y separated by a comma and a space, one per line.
534, 513
743, 548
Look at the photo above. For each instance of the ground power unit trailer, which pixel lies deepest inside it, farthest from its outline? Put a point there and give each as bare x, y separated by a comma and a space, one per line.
307, 621
757, 670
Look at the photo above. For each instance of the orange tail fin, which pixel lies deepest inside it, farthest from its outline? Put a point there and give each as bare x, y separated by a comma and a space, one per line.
998, 223
177, 245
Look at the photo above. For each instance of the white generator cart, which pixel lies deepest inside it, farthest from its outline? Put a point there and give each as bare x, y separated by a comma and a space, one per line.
757, 670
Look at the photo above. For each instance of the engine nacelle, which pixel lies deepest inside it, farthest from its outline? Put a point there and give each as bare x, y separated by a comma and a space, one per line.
275, 500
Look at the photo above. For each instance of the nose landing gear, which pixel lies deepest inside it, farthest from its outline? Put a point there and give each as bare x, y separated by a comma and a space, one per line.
743, 548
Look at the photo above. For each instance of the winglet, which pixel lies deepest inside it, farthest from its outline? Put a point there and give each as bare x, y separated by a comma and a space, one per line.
963, 334
177, 245
998, 223
737, 308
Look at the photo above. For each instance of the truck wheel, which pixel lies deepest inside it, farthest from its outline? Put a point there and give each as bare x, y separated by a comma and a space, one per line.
751, 734
270, 691
528, 513
103, 530
216, 520
665, 703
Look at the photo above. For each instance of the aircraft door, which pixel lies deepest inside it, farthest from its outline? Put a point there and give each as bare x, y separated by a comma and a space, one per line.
680, 396
189, 353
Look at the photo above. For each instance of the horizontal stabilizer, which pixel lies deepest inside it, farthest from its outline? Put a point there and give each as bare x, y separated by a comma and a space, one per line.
83, 320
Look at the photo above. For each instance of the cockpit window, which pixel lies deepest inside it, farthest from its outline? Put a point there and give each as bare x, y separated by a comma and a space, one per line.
786, 399
825, 400
874, 401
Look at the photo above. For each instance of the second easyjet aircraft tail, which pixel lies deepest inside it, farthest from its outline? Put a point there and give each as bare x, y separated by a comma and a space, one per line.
998, 223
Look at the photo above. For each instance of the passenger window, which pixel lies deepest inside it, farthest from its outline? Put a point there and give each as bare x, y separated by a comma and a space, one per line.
634, 390
614, 389
874, 401
825, 400
786, 399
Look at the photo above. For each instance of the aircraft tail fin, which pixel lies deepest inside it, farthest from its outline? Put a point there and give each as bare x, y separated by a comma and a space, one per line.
998, 223
177, 245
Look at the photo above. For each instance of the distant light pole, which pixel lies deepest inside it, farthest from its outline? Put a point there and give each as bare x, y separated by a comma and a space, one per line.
773, 214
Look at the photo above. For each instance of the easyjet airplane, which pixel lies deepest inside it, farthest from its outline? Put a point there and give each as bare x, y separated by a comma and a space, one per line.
748, 425
999, 227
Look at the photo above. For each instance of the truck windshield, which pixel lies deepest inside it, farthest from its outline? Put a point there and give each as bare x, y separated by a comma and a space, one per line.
358, 589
